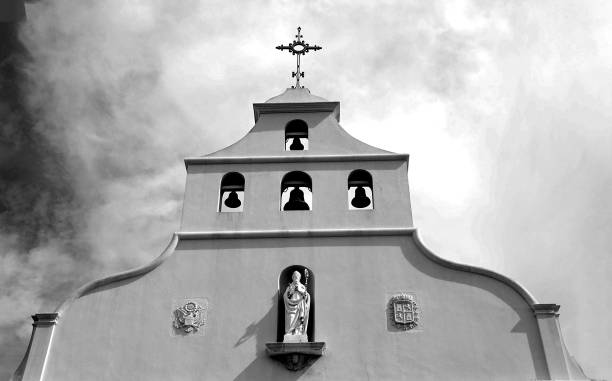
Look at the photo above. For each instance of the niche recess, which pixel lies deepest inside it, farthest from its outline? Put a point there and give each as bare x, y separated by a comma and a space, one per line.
296, 191
296, 356
308, 280
231, 198
360, 190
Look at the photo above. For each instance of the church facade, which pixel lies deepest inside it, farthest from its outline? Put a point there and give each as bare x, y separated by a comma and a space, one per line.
297, 257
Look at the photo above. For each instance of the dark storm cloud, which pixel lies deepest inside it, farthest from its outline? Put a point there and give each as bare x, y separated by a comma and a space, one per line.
38, 208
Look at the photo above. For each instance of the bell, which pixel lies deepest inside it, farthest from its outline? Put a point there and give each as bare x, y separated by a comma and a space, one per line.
232, 200
360, 200
296, 200
296, 145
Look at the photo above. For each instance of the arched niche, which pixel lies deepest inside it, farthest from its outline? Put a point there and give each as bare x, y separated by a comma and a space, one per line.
231, 193
296, 191
284, 279
360, 190
296, 135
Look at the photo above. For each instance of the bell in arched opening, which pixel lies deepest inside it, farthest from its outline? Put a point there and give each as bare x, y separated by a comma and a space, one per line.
232, 200
296, 200
232, 192
360, 190
296, 135
361, 200
299, 196
296, 145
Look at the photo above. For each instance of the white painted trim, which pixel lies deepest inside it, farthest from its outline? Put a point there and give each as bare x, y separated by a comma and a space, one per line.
295, 159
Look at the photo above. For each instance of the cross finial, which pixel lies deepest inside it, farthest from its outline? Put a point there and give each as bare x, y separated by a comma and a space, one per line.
298, 47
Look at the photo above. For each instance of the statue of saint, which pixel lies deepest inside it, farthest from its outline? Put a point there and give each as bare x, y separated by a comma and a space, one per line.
297, 308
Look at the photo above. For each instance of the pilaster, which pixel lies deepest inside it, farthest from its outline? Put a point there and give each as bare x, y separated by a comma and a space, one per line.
38, 350
554, 349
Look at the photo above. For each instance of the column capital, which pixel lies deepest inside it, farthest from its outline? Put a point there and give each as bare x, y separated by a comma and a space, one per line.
546, 310
45, 320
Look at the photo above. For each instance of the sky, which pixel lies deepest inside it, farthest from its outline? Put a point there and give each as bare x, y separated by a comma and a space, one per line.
504, 106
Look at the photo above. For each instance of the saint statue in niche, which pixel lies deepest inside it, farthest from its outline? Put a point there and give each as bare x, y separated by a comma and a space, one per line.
297, 308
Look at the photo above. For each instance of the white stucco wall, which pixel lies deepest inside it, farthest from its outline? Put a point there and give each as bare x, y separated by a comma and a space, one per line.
473, 327
325, 136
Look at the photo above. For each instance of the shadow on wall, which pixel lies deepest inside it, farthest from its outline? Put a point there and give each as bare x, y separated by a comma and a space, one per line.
264, 367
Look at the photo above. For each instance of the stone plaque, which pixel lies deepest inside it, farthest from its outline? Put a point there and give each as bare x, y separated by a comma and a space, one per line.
404, 312
189, 316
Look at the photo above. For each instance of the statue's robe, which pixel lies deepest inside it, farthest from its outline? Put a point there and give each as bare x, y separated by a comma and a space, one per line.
297, 308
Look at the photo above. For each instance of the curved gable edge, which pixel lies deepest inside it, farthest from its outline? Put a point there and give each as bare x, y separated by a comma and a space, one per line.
365, 146
522, 291
94, 285
338, 134
560, 363
33, 364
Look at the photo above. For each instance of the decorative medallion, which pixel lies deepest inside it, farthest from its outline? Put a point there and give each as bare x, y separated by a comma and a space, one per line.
190, 316
404, 311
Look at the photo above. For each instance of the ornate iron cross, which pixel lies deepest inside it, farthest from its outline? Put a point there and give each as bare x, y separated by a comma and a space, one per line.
298, 47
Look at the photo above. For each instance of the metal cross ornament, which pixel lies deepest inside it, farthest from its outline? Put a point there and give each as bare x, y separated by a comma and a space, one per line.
298, 48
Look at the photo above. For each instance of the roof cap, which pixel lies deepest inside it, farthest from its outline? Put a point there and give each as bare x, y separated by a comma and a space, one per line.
293, 95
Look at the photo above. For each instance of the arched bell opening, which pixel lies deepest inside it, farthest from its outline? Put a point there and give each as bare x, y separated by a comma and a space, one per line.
307, 278
296, 136
296, 191
360, 190
231, 198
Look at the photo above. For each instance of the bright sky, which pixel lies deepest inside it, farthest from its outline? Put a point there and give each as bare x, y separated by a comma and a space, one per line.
505, 108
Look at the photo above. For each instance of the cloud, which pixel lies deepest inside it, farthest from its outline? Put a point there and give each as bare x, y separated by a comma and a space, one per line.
504, 108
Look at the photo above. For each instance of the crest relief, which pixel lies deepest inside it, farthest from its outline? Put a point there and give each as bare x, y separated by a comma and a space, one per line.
404, 312
189, 316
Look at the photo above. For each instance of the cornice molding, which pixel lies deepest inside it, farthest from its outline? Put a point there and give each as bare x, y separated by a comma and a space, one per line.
275, 108
294, 159
92, 286
249, 234
246, 234
546, 310
45, 319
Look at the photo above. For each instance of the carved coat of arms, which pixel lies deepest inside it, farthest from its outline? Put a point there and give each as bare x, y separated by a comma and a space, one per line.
189, 317
404, 311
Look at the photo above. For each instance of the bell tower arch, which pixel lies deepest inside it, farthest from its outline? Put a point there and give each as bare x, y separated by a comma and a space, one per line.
313, 179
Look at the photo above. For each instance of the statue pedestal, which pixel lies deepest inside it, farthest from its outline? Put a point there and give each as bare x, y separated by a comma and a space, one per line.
295, 355
288, 338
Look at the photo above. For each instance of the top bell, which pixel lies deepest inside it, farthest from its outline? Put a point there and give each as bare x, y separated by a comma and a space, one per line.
296, 133
296, 145
361, 200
